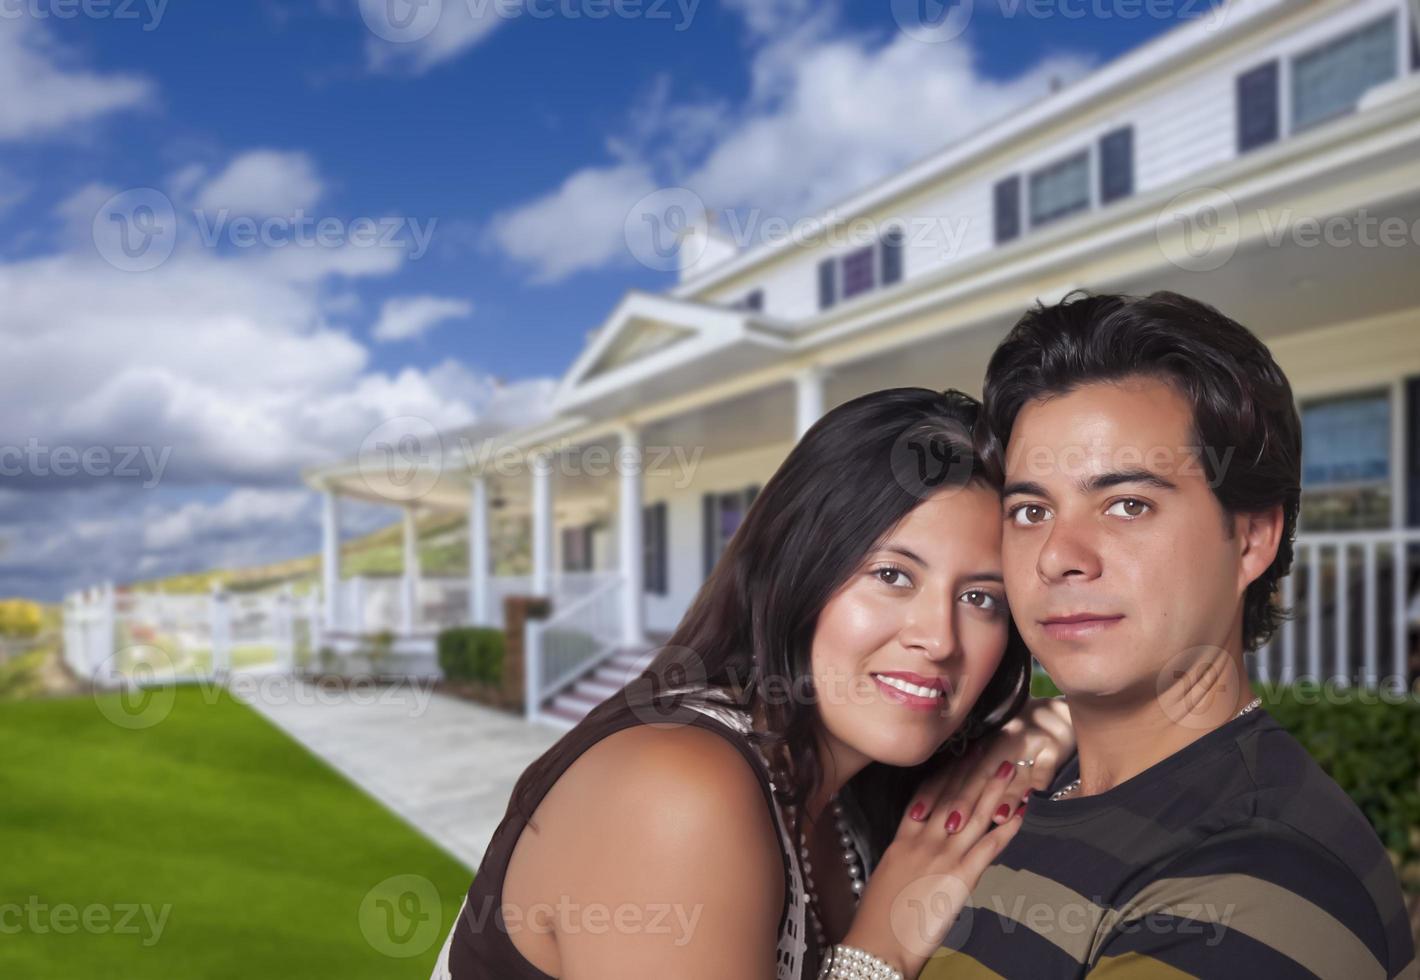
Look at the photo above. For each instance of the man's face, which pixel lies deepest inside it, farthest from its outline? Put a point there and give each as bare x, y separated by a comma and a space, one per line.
1108, 515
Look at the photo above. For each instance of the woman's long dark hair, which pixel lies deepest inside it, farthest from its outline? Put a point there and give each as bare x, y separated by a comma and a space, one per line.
861, 469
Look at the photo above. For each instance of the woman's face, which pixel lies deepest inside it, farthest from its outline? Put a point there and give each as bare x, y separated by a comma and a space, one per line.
925, 607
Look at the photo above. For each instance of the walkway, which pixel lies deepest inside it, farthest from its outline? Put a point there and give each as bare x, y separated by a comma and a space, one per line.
445, 765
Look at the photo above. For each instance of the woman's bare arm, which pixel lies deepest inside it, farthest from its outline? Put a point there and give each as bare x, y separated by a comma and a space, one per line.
668, 862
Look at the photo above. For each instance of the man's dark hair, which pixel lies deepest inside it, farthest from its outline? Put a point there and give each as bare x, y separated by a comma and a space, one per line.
1241, 401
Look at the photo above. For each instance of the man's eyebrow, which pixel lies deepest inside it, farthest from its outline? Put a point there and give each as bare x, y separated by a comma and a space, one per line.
1096, 483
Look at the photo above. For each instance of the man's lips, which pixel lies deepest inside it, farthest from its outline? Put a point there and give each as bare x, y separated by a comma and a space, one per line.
1079, 625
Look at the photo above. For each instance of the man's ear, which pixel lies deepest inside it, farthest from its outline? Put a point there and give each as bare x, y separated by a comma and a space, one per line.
1260, 534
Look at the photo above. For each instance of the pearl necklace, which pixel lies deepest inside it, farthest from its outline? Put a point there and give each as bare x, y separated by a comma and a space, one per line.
851, 859
1073, 785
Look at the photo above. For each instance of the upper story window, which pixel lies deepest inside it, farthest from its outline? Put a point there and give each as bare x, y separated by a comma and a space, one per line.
1322, 82
1059, 189
861, 270
1097, 174
1330, 79
753, 300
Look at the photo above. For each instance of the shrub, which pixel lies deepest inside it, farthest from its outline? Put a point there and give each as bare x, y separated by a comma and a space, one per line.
472, 653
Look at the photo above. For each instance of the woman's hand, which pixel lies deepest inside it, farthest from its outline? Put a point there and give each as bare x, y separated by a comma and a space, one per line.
1041, 732
926, 876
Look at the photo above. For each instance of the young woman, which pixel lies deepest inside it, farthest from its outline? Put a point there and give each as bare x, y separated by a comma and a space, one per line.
830, 750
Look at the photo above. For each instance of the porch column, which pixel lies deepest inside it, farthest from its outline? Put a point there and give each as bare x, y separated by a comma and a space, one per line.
478, 552
330, 559
808, 398
541, 524
629, 539
409, 607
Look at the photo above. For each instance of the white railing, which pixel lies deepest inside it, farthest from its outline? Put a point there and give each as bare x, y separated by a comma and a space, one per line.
570, 641
372, 603
117, 637
1354, 608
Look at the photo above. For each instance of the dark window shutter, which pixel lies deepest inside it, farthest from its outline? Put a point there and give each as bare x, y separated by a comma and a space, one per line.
653, 529
1116, 164
755, 300
892, 256
1259, 112
1008, 208
1414, 49
827, 285
1411, 462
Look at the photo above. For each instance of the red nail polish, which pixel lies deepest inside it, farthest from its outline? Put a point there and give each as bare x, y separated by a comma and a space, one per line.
1003, 811
1005, 770
918, 811
1019, 810
953, 822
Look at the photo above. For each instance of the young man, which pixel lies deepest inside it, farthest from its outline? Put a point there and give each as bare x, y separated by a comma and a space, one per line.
1152, 458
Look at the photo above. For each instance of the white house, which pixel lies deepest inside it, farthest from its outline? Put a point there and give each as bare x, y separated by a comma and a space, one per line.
1267, 161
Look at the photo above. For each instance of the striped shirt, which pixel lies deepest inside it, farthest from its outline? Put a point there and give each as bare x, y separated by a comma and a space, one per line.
1235, 857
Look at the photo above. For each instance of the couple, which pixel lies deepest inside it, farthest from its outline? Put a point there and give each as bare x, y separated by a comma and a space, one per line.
834, 768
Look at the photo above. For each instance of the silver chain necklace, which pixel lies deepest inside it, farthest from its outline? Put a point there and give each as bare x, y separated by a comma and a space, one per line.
1070, 787
851, 858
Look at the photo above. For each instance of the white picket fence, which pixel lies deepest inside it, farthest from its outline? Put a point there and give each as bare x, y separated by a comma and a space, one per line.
116, 637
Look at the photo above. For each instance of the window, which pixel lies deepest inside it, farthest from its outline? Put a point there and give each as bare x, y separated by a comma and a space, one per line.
577, 548
827, 285
751, 301
1008, 209
1060, 189
858, 272
655, 579
891, 248
1346, 476
1257, 107
1330, 79
723, 513
1116, 164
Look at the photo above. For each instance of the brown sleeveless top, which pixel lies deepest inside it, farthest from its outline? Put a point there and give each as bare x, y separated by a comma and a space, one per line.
479, 947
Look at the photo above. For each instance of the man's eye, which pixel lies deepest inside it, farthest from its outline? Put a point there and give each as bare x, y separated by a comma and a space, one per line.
1026, 514
1128, 508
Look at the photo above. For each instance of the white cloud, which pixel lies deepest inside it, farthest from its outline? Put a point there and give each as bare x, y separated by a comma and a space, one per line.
262, 182
578, 226
407, 317
239, 512
417, 35
827, 114
45, 93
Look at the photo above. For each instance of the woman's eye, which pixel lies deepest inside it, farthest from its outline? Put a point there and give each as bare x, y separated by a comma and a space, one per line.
895, 577
1128, 508
1027, 514
980, 599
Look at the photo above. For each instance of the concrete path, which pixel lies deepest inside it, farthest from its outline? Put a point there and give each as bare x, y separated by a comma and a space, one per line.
445, 765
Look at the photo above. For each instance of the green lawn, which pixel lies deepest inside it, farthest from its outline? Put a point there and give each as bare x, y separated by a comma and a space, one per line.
208, 845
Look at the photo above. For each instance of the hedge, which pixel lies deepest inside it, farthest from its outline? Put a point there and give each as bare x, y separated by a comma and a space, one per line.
472, 653
1369, 746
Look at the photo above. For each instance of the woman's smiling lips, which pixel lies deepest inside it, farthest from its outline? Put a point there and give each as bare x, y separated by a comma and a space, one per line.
912, 690
1078, 626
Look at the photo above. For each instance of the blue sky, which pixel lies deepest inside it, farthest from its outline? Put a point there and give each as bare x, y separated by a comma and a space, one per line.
516, 144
